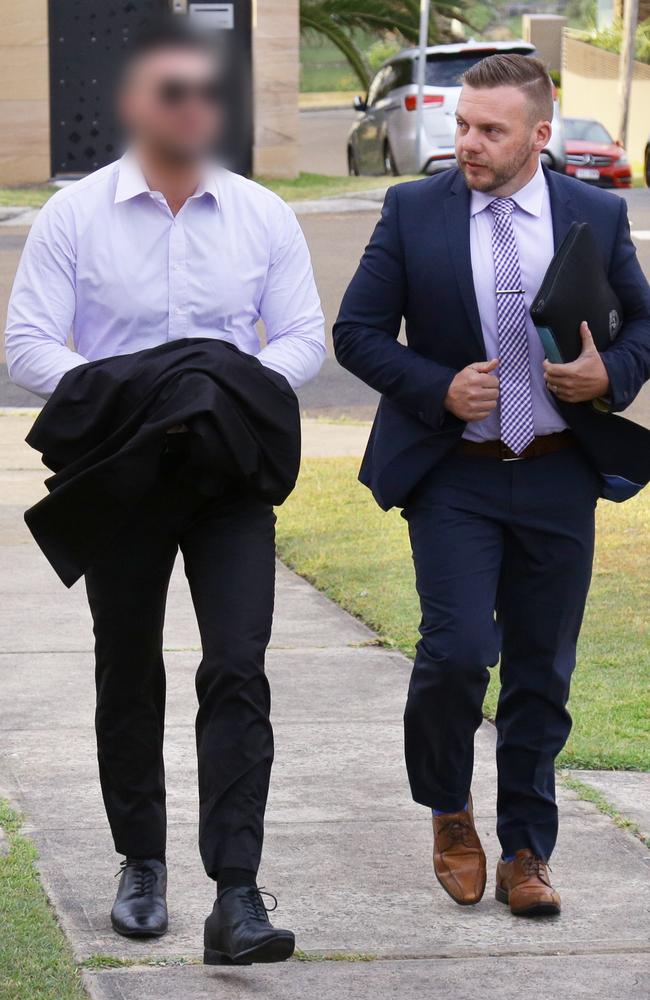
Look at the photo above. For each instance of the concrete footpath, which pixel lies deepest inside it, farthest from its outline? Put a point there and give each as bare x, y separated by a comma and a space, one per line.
347, 852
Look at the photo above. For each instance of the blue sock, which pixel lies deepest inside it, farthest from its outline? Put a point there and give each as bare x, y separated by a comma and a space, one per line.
508, 857
445, 812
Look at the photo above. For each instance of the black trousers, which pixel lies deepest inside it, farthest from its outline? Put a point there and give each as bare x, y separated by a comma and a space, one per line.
503, 554
228, 546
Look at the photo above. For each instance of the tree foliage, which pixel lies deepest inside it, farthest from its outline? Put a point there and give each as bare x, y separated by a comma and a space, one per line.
611, 38
337, 20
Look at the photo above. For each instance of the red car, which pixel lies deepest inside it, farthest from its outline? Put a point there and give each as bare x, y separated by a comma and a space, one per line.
593, 156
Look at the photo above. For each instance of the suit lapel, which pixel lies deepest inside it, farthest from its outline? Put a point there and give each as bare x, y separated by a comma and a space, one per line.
457, 223
561, 209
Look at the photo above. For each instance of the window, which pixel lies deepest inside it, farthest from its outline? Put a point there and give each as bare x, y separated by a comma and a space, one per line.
446, 69
375, 92
403, 73
390, 77
583, 130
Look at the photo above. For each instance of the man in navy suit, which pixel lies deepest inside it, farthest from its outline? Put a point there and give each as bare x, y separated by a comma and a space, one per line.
470, 440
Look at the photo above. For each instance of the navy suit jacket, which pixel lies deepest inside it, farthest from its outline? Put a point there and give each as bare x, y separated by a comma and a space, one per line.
418, 267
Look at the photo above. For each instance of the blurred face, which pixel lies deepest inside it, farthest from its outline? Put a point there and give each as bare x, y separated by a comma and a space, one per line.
498, 140
171, 103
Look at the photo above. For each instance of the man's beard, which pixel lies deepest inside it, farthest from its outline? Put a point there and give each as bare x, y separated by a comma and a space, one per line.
501, 176
179, 156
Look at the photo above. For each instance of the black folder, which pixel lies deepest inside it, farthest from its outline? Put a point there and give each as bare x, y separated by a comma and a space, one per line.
576, 288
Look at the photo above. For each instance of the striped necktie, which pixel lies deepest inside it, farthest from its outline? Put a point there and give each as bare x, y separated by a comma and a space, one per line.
516, 402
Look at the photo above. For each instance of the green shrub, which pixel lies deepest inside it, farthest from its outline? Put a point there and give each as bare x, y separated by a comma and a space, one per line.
382, 50
611, 39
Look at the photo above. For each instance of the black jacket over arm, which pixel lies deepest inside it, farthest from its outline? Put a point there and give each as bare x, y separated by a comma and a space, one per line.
105, 428
418, 267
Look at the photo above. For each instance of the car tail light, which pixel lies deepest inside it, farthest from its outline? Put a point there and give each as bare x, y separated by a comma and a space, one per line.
411, 100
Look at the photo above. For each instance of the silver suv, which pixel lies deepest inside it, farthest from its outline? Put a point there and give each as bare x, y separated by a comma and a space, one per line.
383, 140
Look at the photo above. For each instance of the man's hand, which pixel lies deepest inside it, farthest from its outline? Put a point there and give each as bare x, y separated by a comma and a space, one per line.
582, 380
474, 392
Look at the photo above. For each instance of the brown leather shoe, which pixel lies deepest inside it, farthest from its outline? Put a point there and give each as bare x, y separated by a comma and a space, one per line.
458, 858
525, 885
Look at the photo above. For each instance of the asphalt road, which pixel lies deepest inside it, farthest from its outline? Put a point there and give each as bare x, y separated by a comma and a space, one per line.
337, 242
323, 137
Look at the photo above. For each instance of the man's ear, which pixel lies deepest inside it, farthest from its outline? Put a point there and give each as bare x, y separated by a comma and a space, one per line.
543, 132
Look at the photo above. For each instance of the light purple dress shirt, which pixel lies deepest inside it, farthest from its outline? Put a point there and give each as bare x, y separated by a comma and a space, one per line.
107, 264
533, 226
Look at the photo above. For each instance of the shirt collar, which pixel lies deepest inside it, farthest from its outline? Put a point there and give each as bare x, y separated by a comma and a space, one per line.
131, 181
530, 198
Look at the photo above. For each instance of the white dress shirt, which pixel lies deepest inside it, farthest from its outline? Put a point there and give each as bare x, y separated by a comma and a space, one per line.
107, 263
533, 225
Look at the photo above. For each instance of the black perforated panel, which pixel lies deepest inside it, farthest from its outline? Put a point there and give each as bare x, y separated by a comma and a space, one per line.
86, 37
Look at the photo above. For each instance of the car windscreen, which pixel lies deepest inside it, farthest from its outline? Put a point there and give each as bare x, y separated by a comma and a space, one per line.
580, 130
446, 69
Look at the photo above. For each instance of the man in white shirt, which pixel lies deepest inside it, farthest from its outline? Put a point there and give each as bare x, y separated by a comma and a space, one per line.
161, 246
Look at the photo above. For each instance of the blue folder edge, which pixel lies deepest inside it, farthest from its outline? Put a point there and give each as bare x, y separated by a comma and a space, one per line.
619, 489
550, 347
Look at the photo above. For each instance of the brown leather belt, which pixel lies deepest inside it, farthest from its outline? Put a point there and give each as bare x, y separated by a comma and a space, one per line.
545, 445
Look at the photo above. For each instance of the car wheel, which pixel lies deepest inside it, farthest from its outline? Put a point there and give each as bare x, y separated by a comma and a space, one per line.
647, 166
353, 166
390, 167
548, 160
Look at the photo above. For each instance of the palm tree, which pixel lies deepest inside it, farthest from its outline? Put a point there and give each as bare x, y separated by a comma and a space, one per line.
336, 20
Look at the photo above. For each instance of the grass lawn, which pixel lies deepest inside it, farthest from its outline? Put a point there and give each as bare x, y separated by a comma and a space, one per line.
332, 533
308, 186
305, 186
29, 197
35, 959
324, 67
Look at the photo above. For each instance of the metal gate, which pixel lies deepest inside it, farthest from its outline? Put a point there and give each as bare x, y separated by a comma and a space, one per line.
86, 37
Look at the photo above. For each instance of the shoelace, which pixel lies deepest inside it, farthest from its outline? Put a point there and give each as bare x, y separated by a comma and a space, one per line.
535, 866
144, 878
255, 905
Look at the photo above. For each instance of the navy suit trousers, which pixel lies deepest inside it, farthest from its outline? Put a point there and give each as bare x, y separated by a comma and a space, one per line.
503, 555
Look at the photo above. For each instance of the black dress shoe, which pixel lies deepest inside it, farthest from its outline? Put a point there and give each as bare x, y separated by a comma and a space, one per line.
140, 908
239, 932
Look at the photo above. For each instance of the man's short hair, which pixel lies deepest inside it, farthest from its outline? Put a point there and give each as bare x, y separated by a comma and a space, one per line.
166, 33
512, 70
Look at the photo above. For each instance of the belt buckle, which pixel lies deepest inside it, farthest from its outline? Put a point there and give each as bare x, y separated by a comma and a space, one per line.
506, 454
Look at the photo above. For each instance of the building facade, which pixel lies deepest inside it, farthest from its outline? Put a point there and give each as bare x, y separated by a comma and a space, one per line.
545, 32
590, 89
55, 58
